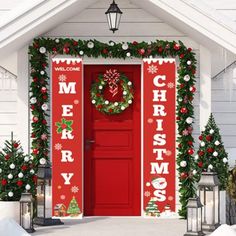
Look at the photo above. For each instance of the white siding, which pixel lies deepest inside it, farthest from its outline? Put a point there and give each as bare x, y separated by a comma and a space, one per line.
8, 108
224, 110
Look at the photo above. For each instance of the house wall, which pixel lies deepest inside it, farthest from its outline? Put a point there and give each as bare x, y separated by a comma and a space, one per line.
224, 110
136, 24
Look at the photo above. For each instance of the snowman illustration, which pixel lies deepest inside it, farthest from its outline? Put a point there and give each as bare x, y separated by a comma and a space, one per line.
159, 184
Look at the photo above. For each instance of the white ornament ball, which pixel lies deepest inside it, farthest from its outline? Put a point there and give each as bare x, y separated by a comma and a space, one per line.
10, 194
0, 171
33, 100
149, 42
148, 184
106, 102
26, 159
57, 40
203, 129
111, 43
180, 99
27, 187
217, 143
189, 120
215, 154
130, 101
42, 161
196, 157
81, 52
129, 83
124, 93
189, 63
202, 144
20, 175
211, 131
183, 163
128, 54
42, 50
194, 172
125, 46
210, 167
42, 72
186, 78
30, 94
32, 172
44, 107
116, 104
93, 101
10, 176
90, 44
225, 160
122, 108
100, 87
12, 166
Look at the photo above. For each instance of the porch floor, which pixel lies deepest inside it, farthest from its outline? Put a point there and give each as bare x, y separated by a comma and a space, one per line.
116, 226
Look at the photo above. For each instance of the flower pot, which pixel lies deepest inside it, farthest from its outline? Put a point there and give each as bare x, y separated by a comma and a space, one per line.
10, 209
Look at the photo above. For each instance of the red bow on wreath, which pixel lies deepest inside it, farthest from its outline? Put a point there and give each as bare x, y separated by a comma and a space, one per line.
112, 77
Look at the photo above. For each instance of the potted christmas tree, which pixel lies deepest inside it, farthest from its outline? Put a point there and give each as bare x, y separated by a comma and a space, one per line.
211, 156
17, 175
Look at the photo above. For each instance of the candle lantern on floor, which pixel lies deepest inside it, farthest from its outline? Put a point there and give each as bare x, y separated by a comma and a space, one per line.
210, 197
44, 197
26, 212
194, 217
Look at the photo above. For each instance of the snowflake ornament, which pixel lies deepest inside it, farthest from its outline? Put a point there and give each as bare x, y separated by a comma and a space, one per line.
170, 85
62, 78
75, 189
152, 69
147, 194
58, 146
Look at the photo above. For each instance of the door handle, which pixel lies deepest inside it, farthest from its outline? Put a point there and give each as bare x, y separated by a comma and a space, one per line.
90, 141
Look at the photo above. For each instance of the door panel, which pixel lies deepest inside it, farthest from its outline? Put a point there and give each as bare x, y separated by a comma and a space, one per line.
112, 159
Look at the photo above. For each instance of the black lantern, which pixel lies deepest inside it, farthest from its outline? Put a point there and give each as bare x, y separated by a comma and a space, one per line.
26, 212
194, 217
113, 16
44, 197
210, 197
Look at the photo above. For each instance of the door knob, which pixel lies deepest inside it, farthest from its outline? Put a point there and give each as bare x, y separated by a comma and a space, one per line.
90, 141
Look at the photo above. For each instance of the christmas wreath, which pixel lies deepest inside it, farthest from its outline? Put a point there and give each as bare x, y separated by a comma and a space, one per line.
112, 78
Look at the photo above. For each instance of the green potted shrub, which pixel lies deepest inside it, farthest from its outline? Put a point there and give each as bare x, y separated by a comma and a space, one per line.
17, 175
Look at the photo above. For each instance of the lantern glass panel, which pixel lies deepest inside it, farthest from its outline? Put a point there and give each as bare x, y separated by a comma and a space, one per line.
27, 213
40, 198
190, 217
118, 17
113, 20
199, 219
48, 199
216, 190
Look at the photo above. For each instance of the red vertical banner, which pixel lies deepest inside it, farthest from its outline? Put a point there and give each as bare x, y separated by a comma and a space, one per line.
66, 110
159, 138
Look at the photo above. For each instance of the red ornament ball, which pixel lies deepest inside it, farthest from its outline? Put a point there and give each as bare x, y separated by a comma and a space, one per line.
208, 138
190, 151
192, 89
24, 167
7, 157
54, 49
182, 85
110, 110
141, 51
210, 150
200, 153
181, 56
189, 49
35, 119
44, 122
4, 182
183, 110
33, 135
32, 107
45, 97
99, 106
200, 164
135, 43
104, 51
190, 143
200, 137
160, 49
176, 46
75, 43
66, 50
183, 175
19, 183
43, 89
35, 151
15, 145
35, 79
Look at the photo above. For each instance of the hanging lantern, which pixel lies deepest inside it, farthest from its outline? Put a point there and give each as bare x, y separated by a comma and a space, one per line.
113, 16
194, 217
210, 197
44, 197
26, 212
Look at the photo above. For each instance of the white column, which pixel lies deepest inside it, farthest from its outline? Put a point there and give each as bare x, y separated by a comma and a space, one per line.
205, 85
22, 98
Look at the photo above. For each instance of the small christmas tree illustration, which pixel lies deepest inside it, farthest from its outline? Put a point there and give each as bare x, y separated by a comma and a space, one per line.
152, 208
73, 208
211, 155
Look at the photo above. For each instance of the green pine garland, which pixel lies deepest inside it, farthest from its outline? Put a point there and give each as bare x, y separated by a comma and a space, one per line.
39, 97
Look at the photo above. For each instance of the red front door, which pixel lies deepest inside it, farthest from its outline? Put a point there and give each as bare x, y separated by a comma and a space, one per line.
112, 159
